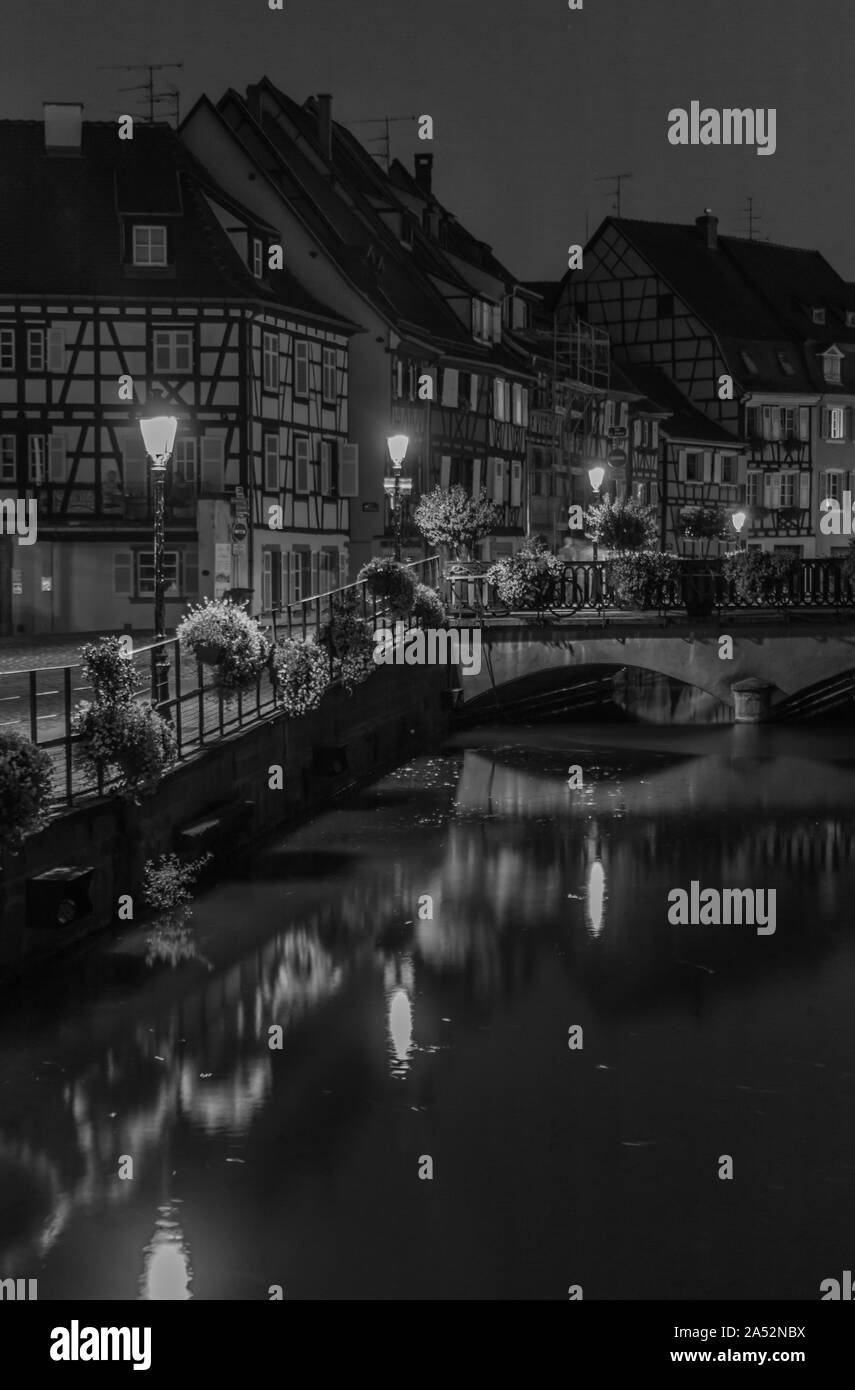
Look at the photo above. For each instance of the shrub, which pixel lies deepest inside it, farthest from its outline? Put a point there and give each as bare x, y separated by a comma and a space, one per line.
168, 884
703, 523
109, 670
622, 525
428, 607
348, 638
223, 635
388, 579
848, 565
300, 672
759, 576
643, 579
130, 740
532, 578
452, 517
26, 786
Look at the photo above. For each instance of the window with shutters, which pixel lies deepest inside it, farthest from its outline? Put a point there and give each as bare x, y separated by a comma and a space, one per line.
300, 573
271, 463
328, 569
817, 314
789, 490
519, 412
7, 349
481, 320
330, 383
35, 349
301, 367
516, 484
270, 361
149, 245
694, 466
753, 421
8, 458
833, 484
145, 573
185, 459
834, 422
831, 365
301, 463
172, 350
211, 463
271, 578
729, 468
753, 489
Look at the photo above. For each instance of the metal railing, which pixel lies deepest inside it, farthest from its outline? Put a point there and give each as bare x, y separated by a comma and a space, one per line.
39, 703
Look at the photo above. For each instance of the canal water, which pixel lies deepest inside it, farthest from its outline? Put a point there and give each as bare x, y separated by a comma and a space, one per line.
425, 948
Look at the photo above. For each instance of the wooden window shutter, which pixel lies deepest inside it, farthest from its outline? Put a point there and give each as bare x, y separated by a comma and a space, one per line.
348, 470
516, 484
716, 467
445, 471
804, 489
681, 465
399, 379
449, 386
56, 349
57, 460
211, 451
636, 434
826, 422
473, 391
496, 322
708, 465
476, 477
804, 422
623, 412
849, 423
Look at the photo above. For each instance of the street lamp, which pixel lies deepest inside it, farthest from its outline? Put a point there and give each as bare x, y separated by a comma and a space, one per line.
595, 476
158, 434
396, 486
738, 520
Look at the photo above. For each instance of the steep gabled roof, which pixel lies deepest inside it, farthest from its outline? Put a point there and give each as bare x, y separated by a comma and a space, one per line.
685, 421
61, 221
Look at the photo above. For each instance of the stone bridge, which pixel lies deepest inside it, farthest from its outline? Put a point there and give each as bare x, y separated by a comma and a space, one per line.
784, 657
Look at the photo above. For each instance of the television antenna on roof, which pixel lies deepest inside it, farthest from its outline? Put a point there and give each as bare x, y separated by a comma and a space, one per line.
153, 98
385, 152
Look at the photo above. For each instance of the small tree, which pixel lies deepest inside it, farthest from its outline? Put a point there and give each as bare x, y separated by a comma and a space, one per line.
453, 517
703, 523
622, 525
26, 787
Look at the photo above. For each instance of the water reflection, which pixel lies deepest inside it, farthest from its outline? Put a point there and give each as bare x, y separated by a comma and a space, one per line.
548, 905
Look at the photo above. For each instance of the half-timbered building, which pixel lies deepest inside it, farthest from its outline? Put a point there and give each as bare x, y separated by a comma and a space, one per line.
759, 337
129, 271
434, 358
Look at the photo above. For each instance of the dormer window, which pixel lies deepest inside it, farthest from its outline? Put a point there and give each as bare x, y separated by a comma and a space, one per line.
257, 257
817, 314
149, 245
831, 364
486, 321
748, 362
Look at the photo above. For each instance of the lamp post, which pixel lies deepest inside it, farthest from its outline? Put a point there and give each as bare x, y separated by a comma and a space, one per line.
396, 486
158, 433
595, 476
738, 520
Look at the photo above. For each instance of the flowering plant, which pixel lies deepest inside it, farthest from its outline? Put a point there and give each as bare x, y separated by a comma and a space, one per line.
167, 883
643, 579
349, 639
531, 578
759, 576
221, 634
621, 525
300, 673
428, 607
109, 670
130, 738
453, 517
389, 579
26, 786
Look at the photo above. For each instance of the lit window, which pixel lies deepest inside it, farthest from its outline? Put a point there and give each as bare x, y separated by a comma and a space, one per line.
330, 376
149, 246
172, 350
270, 364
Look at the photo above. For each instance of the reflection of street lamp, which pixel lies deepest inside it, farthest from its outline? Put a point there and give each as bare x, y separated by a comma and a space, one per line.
396, 486
158, 433
596, 897
738, 520
596, 475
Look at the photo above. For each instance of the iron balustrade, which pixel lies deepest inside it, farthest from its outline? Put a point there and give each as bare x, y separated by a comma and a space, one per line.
39, 702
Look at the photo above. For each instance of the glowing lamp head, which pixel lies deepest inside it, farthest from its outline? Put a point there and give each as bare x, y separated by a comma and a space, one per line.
738, 519
397, 446
596, 476
158, 432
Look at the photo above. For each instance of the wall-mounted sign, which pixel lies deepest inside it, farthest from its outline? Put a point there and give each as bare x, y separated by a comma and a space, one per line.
371, 506
617, 432
617, 458
239, 531
17, 581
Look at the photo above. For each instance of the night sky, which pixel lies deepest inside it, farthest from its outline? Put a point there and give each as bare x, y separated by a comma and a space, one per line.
531, 101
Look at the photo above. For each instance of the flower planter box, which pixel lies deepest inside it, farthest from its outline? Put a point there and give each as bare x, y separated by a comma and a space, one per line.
208, 655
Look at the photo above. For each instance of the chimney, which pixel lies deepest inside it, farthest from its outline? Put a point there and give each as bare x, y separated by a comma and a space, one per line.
325, 124
424, 169
708, 228
63, 126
